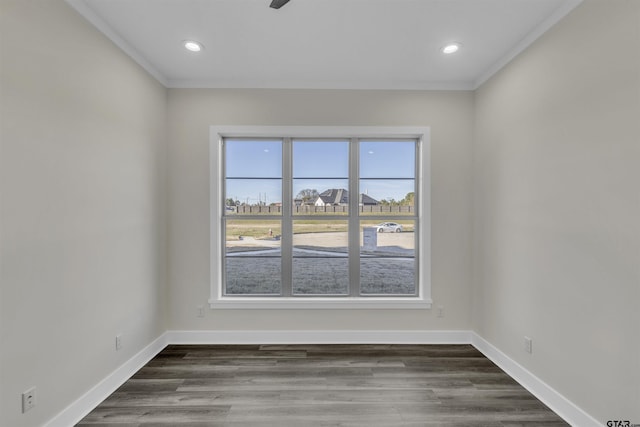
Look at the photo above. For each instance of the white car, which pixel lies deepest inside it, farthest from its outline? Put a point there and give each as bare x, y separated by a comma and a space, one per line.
389, 227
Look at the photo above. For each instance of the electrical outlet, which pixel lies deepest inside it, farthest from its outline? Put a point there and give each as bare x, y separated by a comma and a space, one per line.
528, 345
200, 312
440, 311
28, 399
118, 342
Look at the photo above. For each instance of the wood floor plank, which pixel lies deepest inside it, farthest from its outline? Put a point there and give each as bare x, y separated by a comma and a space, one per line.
321, 385
166, 414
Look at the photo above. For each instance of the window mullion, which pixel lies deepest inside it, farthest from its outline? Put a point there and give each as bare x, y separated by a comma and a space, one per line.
354, 223
378, 274
286, 244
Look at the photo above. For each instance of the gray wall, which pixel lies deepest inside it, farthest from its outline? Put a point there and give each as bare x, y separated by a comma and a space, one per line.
192, 111
557, 208
83, 207
535, 206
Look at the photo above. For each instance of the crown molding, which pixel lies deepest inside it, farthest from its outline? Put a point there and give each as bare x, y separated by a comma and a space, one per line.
552, 20
323, 85
89, 14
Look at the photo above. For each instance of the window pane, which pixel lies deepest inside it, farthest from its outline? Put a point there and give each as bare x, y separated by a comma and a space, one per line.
387, 159
320, 159
253, 276
320, 174
387, 257
320, 196
320, 257
253, 257
253, 159
394, 196
253, 196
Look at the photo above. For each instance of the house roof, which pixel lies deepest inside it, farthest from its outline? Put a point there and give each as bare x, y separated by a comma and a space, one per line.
365, 199
335, 196
340, 196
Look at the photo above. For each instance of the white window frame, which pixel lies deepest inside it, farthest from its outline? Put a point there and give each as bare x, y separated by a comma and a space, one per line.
219, 301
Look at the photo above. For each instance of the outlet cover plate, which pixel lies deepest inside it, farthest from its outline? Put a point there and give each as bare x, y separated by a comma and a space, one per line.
28, 399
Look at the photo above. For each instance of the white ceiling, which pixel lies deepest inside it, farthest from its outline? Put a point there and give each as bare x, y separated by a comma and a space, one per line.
336, 44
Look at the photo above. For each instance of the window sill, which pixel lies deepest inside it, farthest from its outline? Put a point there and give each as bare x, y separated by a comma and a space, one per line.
320, 303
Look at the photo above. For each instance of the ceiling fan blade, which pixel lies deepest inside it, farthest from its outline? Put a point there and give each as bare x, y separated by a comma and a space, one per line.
277, 4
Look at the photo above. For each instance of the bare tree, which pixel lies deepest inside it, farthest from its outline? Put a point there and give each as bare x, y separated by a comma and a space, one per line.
307, 195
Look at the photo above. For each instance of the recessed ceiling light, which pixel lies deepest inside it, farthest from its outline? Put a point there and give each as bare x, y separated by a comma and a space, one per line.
451, 48
192, 45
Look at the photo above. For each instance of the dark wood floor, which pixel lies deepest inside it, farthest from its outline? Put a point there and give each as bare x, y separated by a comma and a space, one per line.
323, 385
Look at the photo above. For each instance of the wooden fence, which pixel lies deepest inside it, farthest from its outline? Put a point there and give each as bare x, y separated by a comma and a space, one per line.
312, 210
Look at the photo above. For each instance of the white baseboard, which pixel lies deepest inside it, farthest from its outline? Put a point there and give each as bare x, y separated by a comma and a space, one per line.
554, 400
319, 337
73, 413
547, 395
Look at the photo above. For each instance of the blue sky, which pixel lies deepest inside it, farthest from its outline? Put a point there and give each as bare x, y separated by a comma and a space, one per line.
319, 165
